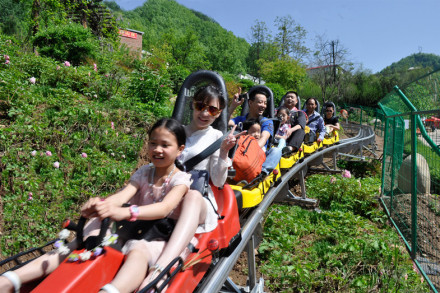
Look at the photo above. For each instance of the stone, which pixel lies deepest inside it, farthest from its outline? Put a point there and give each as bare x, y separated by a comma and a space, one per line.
423, 176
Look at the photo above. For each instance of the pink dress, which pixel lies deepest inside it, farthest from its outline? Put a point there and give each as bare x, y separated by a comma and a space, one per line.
144, 197
152, 249
282, 130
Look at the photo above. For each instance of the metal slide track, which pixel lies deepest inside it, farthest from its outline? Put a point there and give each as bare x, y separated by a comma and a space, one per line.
218, 276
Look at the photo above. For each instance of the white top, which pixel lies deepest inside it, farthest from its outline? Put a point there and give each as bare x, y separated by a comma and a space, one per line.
196, 142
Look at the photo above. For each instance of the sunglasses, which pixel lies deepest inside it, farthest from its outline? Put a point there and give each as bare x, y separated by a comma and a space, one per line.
200, 106
328, 111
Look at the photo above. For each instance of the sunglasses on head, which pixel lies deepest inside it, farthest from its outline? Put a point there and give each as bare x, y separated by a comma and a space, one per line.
200, 106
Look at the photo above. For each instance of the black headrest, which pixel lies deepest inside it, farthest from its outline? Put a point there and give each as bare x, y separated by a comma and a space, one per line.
328, 104
270, 110
183, 110
317, 105
298, 105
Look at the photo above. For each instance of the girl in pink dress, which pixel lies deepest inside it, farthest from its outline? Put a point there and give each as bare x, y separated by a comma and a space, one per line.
283, 131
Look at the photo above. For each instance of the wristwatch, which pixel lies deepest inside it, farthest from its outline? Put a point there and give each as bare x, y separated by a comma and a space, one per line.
134, 212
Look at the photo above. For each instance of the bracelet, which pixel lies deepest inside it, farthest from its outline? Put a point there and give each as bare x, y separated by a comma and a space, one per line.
134, 213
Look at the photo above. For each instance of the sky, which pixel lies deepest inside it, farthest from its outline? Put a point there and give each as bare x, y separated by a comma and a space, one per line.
375, 32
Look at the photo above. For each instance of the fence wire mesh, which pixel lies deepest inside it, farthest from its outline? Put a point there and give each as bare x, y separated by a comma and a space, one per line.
411, 170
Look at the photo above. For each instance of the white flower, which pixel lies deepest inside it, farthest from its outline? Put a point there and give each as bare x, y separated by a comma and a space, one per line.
64, 234
32, 80
109, 239
85, 255
63, 250
33, 153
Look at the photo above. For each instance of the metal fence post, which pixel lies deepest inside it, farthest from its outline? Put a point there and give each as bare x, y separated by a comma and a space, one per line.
384, 157
413, 185
392, 161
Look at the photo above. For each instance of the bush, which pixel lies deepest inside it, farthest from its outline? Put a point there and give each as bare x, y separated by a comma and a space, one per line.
361, 169
332, 251
151, 88
345, 248
246, 84
69, 42
278, 92
348, 194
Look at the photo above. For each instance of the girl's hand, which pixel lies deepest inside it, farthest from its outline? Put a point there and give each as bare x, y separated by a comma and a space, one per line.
108, 209
88, 210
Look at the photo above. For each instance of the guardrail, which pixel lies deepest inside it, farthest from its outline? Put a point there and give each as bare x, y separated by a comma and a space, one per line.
218, 276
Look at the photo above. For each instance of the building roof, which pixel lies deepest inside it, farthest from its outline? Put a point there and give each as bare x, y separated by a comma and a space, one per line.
131, 30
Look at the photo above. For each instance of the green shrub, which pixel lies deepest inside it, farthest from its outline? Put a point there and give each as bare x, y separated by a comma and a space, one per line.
150, 88
67, 110
358, 196
361, 169
69, 42
337, 250
278, 92
246, 84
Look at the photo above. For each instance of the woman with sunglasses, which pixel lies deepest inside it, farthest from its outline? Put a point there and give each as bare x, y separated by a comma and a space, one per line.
207, 106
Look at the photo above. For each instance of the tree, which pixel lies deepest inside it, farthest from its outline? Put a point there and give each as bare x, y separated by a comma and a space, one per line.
12, 16
89, 13
69, 42
287, 71
290, 38
258, 40
329, 64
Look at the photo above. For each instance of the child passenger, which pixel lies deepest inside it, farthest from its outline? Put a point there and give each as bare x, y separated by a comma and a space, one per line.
253, 128
155, 191
283, 130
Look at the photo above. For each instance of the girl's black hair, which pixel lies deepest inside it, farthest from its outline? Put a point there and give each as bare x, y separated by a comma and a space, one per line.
282, 108
208, 93
249, 122
176, 128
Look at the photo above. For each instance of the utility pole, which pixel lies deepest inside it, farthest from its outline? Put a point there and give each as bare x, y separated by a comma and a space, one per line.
333, 61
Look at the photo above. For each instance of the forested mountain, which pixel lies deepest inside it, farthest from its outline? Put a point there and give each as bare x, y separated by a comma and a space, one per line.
178, 41
413, 62
192, 39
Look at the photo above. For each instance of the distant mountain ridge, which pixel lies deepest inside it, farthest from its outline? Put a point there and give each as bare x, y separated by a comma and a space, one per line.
415, 61
193, 39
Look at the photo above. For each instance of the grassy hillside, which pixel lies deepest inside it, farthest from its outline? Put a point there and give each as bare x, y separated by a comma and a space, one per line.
67, 133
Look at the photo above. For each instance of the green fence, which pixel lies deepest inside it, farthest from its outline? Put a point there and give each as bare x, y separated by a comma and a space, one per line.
411, 170
366, 116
